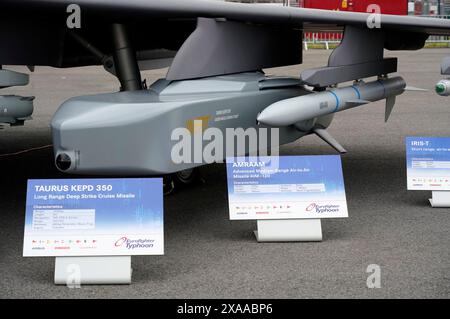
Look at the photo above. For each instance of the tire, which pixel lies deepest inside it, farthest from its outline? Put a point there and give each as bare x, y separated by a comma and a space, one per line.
187, 176
178, 180
168, 185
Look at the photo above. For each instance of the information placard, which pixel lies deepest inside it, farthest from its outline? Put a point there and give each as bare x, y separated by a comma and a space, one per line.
428, 163
286, 187
94, 217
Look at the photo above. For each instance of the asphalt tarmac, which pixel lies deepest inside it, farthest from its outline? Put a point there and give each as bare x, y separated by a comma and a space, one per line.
208, 256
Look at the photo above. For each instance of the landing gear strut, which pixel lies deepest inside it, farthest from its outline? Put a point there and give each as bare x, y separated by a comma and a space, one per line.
127, 69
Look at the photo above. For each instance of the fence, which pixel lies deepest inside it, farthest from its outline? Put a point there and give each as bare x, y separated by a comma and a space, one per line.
433, 38
328, 39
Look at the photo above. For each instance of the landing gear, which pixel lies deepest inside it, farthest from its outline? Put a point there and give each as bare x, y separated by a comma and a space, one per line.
125, 62
176, 181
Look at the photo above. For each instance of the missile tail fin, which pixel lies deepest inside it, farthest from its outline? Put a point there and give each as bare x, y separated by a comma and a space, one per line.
390, 102
330, 140
354, 103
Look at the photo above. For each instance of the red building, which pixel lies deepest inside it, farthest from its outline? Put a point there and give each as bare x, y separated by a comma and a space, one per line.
398, 7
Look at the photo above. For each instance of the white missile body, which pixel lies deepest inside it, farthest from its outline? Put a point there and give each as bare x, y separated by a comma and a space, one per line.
443, 88
291, 111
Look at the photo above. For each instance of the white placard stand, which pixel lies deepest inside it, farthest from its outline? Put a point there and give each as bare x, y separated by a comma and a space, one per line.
440, 199
95, 270
284, 230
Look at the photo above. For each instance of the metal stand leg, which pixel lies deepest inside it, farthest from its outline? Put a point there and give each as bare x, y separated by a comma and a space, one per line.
283, 230
76, 271
440, 199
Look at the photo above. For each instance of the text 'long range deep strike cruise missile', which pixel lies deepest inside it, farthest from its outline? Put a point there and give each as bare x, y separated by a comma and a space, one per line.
290, 111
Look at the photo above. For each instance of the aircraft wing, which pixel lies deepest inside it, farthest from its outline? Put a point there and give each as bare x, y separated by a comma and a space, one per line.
131, 10
34, 32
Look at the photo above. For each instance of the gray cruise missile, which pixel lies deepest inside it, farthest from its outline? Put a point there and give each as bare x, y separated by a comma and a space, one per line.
290, 111
15, 109
11, 78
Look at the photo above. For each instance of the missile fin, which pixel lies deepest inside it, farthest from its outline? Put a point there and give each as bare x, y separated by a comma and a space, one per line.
390, 102
27, 98
330, 140
354, 103
414, 89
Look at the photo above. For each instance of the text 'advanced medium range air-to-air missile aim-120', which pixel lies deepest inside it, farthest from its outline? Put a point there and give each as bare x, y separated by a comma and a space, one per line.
443, 86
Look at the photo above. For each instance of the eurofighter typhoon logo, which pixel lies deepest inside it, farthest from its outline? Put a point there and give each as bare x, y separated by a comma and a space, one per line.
134, 243
322, 209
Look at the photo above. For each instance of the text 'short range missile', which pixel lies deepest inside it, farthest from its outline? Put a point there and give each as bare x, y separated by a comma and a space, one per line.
290, 111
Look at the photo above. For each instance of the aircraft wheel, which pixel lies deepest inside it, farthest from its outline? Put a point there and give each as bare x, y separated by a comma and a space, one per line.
187, 176
168, 185
181, 179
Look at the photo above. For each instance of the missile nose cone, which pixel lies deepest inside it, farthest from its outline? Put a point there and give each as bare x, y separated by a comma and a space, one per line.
440, 88
262, 117
443, 88
270, 116
275, 114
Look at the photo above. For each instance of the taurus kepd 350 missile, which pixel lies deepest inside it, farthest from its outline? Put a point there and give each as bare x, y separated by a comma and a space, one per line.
293, 110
